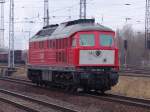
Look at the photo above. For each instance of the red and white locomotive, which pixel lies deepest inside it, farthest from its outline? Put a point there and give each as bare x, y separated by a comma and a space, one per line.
74, 54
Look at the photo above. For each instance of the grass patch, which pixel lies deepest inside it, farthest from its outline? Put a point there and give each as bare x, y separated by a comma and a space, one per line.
133, 87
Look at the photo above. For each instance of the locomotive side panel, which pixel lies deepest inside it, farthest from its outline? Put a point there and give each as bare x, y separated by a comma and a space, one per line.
56, 54
36, 53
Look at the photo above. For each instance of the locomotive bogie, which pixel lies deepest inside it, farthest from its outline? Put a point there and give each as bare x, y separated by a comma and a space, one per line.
98, 80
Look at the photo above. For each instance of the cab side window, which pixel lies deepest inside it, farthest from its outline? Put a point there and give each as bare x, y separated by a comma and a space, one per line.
74, 43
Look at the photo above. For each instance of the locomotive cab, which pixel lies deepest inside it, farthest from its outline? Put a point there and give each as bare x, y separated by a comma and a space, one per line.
96, 49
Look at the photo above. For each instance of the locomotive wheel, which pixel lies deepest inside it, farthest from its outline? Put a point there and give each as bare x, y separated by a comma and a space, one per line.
40, 83
45, 84
74, 89
37, 83
67, 88
71, 89
102, 92
86, 89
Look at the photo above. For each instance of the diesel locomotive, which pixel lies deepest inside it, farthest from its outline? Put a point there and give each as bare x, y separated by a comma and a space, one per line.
75, 54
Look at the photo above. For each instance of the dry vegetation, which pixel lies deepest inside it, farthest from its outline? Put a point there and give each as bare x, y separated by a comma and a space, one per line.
133, 86
20, 73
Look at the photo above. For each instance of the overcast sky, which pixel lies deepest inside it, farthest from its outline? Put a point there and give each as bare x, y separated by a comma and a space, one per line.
29, 15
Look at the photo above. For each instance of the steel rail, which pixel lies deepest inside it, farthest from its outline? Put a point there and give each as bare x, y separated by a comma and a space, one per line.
137, 72
135, 75
144, 103
18, 105
37, 101
17, 81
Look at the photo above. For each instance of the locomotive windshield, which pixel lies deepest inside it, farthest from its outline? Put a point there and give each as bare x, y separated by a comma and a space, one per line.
106, 40
87, 40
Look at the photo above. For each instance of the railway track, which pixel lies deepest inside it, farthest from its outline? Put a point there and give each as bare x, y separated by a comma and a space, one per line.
123, 100
31, 104
15, 80
108, 97
136, 71
135, 75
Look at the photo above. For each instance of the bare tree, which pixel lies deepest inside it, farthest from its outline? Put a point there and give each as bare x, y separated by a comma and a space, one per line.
135, 45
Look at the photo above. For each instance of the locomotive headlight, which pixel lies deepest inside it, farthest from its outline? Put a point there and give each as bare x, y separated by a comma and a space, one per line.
105, 60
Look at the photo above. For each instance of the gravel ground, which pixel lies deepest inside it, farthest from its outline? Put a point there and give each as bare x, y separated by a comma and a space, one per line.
4, 107
85, 103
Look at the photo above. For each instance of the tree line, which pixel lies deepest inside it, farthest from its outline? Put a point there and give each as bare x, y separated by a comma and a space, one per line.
131, 44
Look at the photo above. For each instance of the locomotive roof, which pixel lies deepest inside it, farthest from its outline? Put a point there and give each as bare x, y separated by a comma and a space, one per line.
66, 29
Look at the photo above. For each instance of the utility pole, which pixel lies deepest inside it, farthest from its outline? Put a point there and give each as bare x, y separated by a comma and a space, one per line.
82, 9
11, 36
147, 24
127, 19
2, 24
147, 31
46, 12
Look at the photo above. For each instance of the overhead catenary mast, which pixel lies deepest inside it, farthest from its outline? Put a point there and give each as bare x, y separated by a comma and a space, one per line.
2, 23
46, 12
11, 36
82, 9
147, 25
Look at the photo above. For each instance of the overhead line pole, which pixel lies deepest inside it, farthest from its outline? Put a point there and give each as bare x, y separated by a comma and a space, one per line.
2, 24
11, 36
46, 12
147, 25
83, 9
